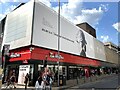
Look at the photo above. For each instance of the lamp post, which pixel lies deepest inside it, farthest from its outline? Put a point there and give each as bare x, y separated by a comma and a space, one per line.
5, 55
45, 62
58, 38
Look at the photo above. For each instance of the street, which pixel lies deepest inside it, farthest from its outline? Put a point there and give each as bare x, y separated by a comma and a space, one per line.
109, 83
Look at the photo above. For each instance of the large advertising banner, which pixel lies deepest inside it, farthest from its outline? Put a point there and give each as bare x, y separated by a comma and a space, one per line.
18, 26
73, 39
23, 70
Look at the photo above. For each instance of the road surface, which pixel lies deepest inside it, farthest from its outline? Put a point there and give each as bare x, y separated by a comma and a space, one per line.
109, 83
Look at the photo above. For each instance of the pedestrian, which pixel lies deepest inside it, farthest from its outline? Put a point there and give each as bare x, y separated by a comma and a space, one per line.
38, 84
40, 78
47, 79
44, 77
50, 78
26, 80
13, 80
7, 82
56, 76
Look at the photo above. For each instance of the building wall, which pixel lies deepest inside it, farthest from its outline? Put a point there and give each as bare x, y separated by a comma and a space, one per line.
111, 46
99, 50
111, 55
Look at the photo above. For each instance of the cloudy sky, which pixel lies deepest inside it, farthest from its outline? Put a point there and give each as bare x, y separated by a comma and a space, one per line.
103, 16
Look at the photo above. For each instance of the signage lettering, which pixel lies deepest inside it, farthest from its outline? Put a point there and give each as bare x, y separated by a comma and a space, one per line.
47, 31
52, 55
25, 61
46, 23
15, 55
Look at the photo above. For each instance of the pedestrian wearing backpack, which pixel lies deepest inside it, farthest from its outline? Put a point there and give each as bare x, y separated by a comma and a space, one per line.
47, 78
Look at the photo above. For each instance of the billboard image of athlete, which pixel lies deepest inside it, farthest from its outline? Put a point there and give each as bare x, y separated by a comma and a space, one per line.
80, 38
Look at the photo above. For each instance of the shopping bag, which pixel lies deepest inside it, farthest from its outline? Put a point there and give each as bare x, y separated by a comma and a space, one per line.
37, 84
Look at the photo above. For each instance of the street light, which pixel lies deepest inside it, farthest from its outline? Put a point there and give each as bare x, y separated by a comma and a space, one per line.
58, 38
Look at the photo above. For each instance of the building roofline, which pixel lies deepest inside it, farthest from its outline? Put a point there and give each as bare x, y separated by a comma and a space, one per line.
106, 43
87, 25
19, 5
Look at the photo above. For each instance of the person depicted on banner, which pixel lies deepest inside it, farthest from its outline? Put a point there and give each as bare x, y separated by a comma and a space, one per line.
13, 80
26, 80
80, 38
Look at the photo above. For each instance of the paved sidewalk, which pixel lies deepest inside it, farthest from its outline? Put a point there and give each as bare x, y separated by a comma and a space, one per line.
18, 87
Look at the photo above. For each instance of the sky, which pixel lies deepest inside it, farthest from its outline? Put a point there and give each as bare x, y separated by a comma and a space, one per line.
103, 16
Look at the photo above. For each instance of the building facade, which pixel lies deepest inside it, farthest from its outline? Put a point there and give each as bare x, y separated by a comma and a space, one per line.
31, 31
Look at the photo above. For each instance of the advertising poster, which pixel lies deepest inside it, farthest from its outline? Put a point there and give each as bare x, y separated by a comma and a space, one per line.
23, 70
73, 39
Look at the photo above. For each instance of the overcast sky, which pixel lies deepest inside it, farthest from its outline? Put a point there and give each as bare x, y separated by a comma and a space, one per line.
103, 16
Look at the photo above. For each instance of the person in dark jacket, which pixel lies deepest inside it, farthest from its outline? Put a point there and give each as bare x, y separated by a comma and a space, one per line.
40, 78
13, 80
26, 80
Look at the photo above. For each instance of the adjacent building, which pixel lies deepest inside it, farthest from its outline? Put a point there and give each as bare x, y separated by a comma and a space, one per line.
112, 54
2, 26
111, 46
86, 27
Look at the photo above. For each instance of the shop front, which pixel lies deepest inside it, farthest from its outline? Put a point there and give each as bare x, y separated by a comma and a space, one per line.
24, 60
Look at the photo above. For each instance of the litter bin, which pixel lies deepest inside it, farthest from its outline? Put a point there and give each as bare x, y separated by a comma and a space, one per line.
64, 80
61, 80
